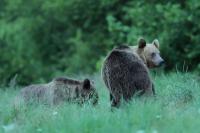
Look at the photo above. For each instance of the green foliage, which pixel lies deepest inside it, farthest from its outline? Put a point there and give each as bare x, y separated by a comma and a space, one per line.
173, 23
176, 109
39, 39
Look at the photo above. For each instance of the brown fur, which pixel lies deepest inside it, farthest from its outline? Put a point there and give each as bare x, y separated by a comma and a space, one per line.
60, 90
149, 53
125, 73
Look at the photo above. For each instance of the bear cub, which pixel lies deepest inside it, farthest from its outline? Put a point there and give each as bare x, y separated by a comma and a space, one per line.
59, 90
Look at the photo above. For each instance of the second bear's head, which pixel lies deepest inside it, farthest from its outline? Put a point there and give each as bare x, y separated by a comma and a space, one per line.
149, 53
88, 91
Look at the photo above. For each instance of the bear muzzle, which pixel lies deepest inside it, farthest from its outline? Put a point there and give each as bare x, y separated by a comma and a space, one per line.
162, 62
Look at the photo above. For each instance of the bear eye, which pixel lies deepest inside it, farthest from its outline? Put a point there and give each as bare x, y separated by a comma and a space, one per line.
153, 54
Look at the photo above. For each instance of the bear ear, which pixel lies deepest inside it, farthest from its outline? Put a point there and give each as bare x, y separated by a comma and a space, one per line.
86, 84
141, 43
156, 43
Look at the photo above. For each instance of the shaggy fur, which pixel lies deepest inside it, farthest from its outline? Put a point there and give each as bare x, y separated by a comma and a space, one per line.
125, 71
60, 90
124, 74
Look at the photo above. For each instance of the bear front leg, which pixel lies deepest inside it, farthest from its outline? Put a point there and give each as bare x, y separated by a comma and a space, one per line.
115, 102
111, 97
153, 90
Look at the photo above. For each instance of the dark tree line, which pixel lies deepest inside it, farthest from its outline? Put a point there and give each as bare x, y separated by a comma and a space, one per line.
40, 39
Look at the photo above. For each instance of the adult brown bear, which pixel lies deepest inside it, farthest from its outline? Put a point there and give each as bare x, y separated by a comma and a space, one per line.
125, 70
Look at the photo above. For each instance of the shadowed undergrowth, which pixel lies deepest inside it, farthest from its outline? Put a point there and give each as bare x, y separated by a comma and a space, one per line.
176, 108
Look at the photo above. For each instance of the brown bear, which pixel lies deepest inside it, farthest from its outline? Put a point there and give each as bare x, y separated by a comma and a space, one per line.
149, 53
60, 90
125, 70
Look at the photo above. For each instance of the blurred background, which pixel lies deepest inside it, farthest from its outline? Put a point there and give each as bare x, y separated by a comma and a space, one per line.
40, 39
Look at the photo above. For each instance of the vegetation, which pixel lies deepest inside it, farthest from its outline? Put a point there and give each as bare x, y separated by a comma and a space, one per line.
175, 109
42, 39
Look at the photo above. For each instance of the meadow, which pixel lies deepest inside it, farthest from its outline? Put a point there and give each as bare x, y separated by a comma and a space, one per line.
40, 40
176, 108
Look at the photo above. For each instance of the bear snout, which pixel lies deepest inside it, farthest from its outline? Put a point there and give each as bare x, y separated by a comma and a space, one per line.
162, 62
158, 60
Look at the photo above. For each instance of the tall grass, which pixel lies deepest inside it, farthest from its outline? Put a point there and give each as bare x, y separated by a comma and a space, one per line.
176, 108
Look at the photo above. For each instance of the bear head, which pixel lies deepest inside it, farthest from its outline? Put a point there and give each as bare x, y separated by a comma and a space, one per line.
149, 53
88, 91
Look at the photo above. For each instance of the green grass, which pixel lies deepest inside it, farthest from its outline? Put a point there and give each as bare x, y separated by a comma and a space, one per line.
175, 109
